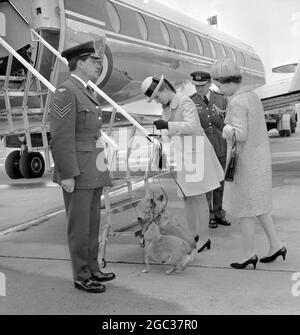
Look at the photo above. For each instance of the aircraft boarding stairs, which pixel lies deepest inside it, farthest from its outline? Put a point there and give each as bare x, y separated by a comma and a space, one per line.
27, 122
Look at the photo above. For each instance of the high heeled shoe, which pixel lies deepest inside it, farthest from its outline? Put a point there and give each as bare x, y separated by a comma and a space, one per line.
205, 245
281, 252
253, 260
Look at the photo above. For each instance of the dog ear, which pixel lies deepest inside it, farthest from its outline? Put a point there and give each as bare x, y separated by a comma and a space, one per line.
161, 198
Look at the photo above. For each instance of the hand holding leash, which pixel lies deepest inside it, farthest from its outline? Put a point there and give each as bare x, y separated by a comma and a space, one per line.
161, 124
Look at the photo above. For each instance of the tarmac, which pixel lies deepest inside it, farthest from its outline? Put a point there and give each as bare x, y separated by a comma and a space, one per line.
35, 262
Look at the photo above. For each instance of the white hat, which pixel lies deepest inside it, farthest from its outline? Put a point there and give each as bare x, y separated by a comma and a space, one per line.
150, 86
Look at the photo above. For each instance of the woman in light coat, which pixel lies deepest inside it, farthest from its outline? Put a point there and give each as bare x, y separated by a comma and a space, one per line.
249, 195
197, 166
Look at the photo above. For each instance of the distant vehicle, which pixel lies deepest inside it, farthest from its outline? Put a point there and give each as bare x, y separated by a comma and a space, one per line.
283, 119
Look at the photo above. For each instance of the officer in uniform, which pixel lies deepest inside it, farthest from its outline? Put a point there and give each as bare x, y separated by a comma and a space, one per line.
210, 106
75, 129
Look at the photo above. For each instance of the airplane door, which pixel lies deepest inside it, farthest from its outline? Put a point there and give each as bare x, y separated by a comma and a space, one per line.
15, 30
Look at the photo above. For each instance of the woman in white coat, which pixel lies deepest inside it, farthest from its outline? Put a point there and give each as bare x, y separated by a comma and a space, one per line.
180, 122
249, 195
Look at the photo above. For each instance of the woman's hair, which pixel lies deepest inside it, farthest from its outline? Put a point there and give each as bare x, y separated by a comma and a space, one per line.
226, 71
167, 85
73, 62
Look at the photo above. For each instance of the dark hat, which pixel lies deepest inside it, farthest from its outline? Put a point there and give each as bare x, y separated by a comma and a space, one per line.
94, 49
151, 85
200, 78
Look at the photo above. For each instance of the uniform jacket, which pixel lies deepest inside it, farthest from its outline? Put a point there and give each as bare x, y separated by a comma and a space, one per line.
75, 124
211, 121
183, 121
250, 194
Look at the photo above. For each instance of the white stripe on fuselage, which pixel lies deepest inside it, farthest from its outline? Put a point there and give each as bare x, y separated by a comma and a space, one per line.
86, 18
88, 28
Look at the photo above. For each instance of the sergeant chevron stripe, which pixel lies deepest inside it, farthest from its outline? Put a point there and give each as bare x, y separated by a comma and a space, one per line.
62, 112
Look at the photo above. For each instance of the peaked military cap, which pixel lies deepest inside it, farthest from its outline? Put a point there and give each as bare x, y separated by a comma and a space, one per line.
94, 49
200, 78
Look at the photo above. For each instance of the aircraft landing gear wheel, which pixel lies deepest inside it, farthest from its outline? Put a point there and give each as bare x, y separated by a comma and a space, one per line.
12, 165
32, 164
103, 264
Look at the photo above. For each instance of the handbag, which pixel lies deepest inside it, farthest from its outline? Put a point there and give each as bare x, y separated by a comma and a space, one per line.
161, 158
232, 161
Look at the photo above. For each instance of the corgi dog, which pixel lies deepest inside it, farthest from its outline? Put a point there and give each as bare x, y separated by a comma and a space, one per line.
169, 225
150, 210
166, 249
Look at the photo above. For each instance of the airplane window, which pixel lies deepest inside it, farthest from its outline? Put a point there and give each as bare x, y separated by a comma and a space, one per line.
200, 45
233, 55
184, 40
165, 33
113, 17
142, 26
223, 50
213, 50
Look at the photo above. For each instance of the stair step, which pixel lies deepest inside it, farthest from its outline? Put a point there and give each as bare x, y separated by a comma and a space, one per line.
123, 205
21, 93
13, 78
126, 228
17, 111
121, 183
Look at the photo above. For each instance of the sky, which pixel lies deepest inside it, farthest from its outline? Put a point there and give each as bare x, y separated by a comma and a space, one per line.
271, 27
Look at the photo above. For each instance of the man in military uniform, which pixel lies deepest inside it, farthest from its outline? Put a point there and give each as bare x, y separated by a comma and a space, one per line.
209, 105
75, 128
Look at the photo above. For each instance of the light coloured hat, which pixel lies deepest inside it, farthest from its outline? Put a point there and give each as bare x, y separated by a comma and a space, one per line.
150, 86
225, 68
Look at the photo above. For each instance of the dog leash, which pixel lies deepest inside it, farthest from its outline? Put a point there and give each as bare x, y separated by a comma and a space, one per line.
170, 170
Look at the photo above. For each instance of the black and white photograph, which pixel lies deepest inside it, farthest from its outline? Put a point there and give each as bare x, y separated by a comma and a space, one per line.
149, 161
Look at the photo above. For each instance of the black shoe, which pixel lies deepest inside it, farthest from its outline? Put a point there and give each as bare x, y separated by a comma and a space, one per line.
253, 260
212, 223
281, 252
89, 285
205, 245
100, 276
223, 221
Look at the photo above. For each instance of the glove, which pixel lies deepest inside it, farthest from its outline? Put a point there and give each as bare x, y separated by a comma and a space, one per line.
228, 131
161, 124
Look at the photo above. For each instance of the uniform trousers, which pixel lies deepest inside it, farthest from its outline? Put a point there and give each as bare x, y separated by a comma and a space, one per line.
197, 215
215, 199
83, 214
